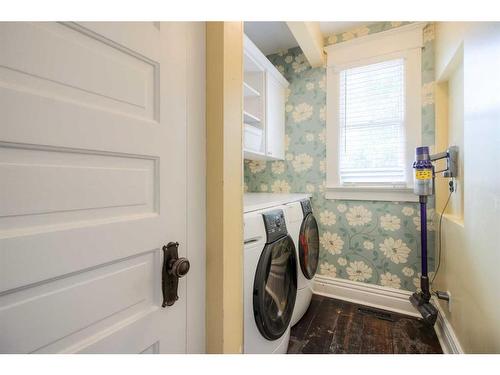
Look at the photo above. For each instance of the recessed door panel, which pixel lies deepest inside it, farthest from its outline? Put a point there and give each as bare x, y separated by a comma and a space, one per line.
72, 63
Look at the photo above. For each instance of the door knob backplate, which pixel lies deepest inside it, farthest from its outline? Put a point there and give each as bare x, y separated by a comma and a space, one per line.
173, 268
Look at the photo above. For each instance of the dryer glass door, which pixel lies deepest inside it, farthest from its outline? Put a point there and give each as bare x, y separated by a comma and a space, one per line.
309, 246
275, 288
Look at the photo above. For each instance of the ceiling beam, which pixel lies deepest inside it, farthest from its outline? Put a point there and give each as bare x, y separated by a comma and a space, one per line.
310, 40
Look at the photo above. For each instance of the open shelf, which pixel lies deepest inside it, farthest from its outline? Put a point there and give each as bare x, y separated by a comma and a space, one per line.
263, 106
253, 155
249, 91
253, 124
250, 119
250, 64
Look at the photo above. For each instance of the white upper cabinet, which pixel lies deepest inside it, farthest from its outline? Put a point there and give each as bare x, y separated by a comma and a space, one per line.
264, 106
275, 118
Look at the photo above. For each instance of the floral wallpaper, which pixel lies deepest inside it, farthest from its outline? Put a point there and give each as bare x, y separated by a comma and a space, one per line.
361, 31
366, 241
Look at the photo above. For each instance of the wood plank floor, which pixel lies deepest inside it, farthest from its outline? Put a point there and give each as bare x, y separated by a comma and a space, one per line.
339, 327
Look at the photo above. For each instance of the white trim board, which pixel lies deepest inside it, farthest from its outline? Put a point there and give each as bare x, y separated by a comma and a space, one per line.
310, 39
377, 296
377, 44
363, 193
384, 298
445, 333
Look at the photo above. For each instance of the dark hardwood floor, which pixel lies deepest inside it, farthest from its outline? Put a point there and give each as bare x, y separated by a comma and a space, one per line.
339, 327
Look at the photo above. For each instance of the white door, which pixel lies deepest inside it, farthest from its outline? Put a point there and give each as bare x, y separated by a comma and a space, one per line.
93, 182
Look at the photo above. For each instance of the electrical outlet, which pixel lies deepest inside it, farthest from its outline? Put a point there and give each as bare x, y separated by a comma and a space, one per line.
445, 296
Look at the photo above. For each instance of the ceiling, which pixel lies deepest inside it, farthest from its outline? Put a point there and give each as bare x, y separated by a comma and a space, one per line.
271, 37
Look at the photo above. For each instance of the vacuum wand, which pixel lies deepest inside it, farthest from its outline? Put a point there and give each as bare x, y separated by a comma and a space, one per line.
424, 279
424, 187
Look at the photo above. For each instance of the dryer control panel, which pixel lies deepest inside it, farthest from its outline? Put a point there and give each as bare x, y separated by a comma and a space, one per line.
306, 207
274, 222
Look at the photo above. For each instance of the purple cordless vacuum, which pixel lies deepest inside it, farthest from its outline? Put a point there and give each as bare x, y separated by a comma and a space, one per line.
424, 187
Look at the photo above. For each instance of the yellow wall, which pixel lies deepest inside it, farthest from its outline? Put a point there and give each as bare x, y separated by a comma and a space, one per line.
468, 111
224, 46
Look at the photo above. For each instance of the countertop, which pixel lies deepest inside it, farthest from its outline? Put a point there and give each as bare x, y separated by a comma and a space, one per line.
261, 201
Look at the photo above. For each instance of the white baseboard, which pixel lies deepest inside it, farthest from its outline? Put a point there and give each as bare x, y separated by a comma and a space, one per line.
390, 299
445, 333
377, 296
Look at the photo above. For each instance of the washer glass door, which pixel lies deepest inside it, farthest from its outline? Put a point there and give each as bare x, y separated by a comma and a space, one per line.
309, 246
275, 288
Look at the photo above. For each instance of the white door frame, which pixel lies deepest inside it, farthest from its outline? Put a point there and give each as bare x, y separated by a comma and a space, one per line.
196, 189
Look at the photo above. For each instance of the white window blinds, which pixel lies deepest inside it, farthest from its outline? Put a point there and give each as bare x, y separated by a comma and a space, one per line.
372, 124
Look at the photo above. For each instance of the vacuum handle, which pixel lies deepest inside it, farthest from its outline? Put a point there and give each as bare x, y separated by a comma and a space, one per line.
424, 279
423, 232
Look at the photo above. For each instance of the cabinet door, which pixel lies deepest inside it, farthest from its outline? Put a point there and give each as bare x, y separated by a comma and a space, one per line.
275, 118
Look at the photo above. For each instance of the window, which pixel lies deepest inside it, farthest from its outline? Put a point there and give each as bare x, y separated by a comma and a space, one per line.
373, 115
371, 124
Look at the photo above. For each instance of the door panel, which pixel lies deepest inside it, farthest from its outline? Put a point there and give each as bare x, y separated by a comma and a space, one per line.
93, 155
106, 291
71, 62
80, 189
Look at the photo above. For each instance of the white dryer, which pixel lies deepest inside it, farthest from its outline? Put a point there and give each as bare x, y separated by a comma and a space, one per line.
270, 281
303, 228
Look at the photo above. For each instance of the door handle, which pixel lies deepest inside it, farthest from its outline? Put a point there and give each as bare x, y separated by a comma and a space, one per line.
173, 269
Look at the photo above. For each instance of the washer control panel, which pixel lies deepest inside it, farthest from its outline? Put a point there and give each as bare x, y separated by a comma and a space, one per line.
306, 207
274, 222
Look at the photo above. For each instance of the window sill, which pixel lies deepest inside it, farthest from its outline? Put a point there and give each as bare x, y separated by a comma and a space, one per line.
371, 193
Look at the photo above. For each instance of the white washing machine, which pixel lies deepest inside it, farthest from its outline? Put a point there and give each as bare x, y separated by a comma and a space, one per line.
270, 281
303, 228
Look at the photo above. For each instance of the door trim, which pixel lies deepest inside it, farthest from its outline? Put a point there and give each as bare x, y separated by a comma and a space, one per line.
196, 187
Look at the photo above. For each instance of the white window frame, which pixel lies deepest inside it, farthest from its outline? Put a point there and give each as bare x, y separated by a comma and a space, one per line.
403, 42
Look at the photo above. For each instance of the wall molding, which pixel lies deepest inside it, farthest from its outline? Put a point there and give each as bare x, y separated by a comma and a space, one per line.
390, 299
376, 44
445, 333
385, 298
